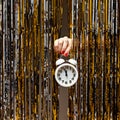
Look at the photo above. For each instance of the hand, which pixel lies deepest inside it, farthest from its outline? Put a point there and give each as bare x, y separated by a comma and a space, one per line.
63, 45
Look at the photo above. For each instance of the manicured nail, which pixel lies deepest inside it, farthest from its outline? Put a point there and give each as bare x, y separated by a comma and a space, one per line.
66, 54
62, 52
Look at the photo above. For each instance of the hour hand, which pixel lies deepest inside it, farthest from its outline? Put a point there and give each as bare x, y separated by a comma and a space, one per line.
66, 73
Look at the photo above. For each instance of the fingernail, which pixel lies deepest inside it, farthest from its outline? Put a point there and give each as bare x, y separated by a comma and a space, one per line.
66, 54
62, 52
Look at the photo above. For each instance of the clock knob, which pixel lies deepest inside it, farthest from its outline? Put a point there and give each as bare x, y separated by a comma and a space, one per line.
60, 61
72, 61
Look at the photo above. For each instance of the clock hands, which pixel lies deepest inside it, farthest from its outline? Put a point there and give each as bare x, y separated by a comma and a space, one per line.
66, 73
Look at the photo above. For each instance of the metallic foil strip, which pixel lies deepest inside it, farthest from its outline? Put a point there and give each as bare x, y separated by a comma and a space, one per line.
27, 60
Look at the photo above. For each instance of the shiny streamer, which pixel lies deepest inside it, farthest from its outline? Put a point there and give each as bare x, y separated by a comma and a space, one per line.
28, 90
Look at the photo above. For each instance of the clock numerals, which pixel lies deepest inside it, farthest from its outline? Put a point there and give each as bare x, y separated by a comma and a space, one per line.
70, 81
60, 71
59, 78
62, 81
74, 75
73, 71
58, 74
66, 82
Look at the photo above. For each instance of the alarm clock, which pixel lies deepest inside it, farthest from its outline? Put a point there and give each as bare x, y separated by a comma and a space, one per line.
66, 73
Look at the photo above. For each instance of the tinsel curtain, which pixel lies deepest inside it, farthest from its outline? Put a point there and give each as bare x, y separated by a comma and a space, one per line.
28, 90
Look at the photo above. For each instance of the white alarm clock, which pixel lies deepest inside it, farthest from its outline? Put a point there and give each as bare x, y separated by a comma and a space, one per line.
66, 73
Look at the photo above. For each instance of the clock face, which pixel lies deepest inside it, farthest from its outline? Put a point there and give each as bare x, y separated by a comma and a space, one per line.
66, 75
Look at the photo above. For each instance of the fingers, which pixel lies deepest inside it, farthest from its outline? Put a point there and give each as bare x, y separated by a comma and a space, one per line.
63, 45
69, 47
58, 45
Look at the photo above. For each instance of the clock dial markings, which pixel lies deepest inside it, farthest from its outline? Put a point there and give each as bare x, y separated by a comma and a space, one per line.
59, 78
66, 82
58, 74
62, 81
70, 81
74, 75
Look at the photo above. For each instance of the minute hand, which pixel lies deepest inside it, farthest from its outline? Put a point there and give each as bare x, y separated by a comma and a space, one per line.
66, 73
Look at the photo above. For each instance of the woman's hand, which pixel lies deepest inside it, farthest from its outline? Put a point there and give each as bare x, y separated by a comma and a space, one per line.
63, 45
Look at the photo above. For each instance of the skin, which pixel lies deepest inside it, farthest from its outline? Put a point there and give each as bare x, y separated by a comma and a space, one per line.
63, 45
